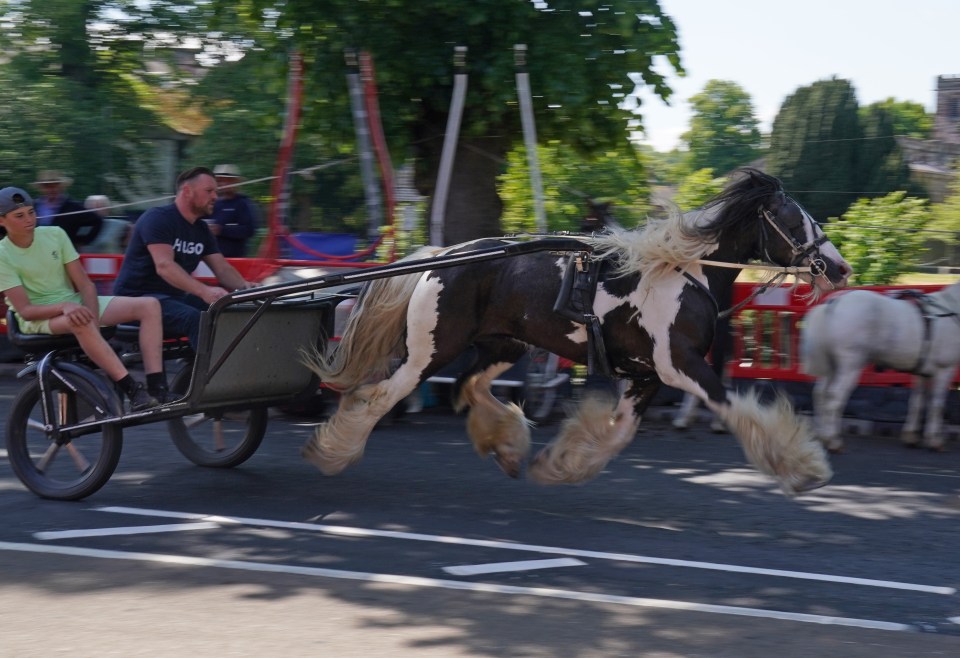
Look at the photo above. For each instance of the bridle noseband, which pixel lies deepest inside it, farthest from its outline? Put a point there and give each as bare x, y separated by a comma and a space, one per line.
800, 251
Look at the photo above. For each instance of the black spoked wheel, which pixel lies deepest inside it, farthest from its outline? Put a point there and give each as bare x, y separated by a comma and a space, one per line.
68, 471
218, 438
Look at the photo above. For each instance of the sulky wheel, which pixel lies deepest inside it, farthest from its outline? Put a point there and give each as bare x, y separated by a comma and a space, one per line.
73, 469
219, 438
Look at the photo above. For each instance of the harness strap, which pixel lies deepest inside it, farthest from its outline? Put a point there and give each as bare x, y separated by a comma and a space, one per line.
575, 302
689, 277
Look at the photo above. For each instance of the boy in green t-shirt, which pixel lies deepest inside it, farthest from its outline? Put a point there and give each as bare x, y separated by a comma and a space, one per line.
50, 292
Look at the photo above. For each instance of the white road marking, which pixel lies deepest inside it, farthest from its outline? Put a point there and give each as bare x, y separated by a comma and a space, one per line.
345, 531
414, 581
522, 565
129, 530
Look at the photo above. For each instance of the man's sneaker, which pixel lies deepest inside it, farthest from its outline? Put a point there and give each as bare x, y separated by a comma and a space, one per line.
141, 400
163, 395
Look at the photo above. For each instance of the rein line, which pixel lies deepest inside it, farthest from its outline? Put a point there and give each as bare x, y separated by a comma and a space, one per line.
755, 266
782, 273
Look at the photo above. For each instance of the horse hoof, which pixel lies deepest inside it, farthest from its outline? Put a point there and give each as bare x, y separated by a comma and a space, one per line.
508, 466
808, 486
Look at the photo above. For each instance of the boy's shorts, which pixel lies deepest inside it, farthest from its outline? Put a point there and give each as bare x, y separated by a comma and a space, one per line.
43, 326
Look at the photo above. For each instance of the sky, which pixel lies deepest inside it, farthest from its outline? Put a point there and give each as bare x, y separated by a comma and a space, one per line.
772, 47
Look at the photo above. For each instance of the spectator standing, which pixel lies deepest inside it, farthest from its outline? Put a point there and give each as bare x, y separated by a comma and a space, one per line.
235, 216
55, 208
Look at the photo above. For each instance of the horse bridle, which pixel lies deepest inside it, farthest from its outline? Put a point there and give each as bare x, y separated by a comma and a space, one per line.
801, 251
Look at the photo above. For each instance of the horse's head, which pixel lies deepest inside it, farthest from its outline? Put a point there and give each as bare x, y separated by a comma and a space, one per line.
789, 236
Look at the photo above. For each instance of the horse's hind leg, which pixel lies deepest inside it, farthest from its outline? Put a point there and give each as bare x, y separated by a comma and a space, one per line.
340, 441
494, 427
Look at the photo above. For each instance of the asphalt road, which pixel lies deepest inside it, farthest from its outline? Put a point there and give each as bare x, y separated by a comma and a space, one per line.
423, 549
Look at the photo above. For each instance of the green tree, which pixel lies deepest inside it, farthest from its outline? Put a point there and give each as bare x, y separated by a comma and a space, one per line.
882, 167
910, 119
73, 95
569, 179
814, 146
581, 55
881, 238
696, 189
724, 131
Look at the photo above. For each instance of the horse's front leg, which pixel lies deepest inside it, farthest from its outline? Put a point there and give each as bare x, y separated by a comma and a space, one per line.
830, 399
596, 432
774, 439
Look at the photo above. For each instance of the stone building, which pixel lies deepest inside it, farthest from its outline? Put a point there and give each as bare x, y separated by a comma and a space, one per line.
933, 162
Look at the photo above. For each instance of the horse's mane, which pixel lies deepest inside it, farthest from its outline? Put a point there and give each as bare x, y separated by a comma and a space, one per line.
662, 245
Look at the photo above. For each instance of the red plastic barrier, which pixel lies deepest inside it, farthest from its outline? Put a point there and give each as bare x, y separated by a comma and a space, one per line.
766, 336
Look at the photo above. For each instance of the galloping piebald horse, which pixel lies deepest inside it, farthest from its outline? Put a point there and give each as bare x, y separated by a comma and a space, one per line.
655, 310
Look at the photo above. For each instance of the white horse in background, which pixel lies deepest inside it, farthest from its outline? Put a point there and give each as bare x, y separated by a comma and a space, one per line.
919, 334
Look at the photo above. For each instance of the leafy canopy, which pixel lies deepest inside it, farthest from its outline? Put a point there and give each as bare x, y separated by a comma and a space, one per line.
724, 132
881, 237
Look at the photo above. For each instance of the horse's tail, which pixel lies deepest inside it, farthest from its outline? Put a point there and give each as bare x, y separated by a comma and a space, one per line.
814, 359
372, 337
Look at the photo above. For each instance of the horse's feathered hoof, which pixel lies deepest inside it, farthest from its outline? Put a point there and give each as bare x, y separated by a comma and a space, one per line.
511, 467
805, 487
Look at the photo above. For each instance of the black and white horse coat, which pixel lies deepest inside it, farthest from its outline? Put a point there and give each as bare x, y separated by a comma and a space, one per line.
656, 305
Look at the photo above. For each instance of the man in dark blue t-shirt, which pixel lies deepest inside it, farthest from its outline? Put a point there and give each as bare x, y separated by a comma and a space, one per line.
167, 244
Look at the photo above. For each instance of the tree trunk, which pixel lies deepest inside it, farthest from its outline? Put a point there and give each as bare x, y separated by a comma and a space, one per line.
473, 206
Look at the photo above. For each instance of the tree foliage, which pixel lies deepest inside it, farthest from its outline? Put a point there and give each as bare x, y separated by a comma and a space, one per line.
696, 189
581, 55
569, 179
814, 146
724, 132
910, 119
74, 94
881, 237
828, 151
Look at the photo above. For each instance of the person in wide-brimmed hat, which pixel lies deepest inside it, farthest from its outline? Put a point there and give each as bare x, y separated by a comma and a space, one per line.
235, 216
55, 208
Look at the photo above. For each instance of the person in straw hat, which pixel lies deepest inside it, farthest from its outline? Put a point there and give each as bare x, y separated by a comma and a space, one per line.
55, 208
235, 216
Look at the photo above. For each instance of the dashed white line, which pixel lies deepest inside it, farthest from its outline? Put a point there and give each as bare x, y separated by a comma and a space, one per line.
522, 565
414, 581
346, 531
129, 530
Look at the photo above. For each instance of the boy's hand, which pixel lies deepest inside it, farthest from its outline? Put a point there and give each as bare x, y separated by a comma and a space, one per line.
78, 314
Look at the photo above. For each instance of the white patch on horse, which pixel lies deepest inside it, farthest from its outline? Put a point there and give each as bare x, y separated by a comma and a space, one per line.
422, 318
